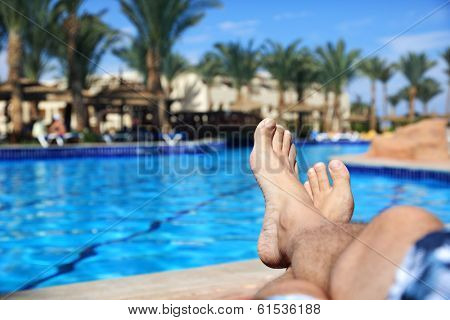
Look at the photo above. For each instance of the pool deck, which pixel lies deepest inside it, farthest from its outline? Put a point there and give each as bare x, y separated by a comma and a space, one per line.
238, 280
362, 160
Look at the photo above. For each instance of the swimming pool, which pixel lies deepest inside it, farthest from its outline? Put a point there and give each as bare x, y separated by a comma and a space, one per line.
158, 213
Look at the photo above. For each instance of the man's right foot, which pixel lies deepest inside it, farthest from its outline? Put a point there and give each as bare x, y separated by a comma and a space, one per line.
334, 202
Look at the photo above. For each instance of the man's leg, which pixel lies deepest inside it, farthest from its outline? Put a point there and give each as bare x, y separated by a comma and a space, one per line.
366, 268
314, 252
294, 229
296, 233
287, 285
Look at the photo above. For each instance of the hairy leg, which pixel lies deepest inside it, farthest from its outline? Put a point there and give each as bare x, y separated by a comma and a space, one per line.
314, 252
366, 269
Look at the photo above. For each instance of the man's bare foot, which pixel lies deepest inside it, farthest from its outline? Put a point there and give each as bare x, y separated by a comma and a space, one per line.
334, 202
288, 205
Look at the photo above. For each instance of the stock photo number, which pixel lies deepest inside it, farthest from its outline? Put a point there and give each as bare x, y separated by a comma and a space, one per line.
285, 308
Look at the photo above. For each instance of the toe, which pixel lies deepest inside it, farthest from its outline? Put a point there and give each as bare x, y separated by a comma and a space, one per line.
277, 142
264, 133
287, 142
292, 155
339, 172
313, 182
308, 189
321, 171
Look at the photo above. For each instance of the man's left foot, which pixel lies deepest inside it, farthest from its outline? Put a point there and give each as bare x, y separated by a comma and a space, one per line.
288, 206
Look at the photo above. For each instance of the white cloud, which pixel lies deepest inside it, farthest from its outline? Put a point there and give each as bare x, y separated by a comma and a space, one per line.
418, 42
197, 38
239, 28
291, 15
354, 24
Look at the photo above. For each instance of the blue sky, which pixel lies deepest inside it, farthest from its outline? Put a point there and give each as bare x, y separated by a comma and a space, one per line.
367, 25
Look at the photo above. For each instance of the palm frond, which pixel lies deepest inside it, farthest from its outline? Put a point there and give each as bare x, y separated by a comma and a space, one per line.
173, 65
280, 61
240, 62
414, 66
209, 67
428, 89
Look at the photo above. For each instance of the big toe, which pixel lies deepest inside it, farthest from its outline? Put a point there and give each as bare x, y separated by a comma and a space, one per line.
339, 172
264, 133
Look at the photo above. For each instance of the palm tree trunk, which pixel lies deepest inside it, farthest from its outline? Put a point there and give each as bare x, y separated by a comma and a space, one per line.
448, 100
34, 112
281, 102
373, 114
325, 113
77, 103
385, 100
412, 95
153, 64
337, 110
14, 64
75, 81
239, 96
209, 98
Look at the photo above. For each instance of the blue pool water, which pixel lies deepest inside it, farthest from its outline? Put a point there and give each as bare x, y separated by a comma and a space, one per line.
128, 216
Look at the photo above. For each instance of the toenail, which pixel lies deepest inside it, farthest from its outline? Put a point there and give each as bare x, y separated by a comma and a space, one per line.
311, 171
319, 164
335, 164
269, 122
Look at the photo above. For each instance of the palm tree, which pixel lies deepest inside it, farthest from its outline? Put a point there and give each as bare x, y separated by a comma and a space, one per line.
69, 16
338, 64
305, 72
426, 91
38, 45
173, 65
94, 38
414, 67
279, 61
160, 23
372, 68
13, 13
386, 74
239, 62
209, 67
446, 56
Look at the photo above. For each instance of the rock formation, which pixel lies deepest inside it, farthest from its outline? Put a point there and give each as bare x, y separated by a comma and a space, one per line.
422, 141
